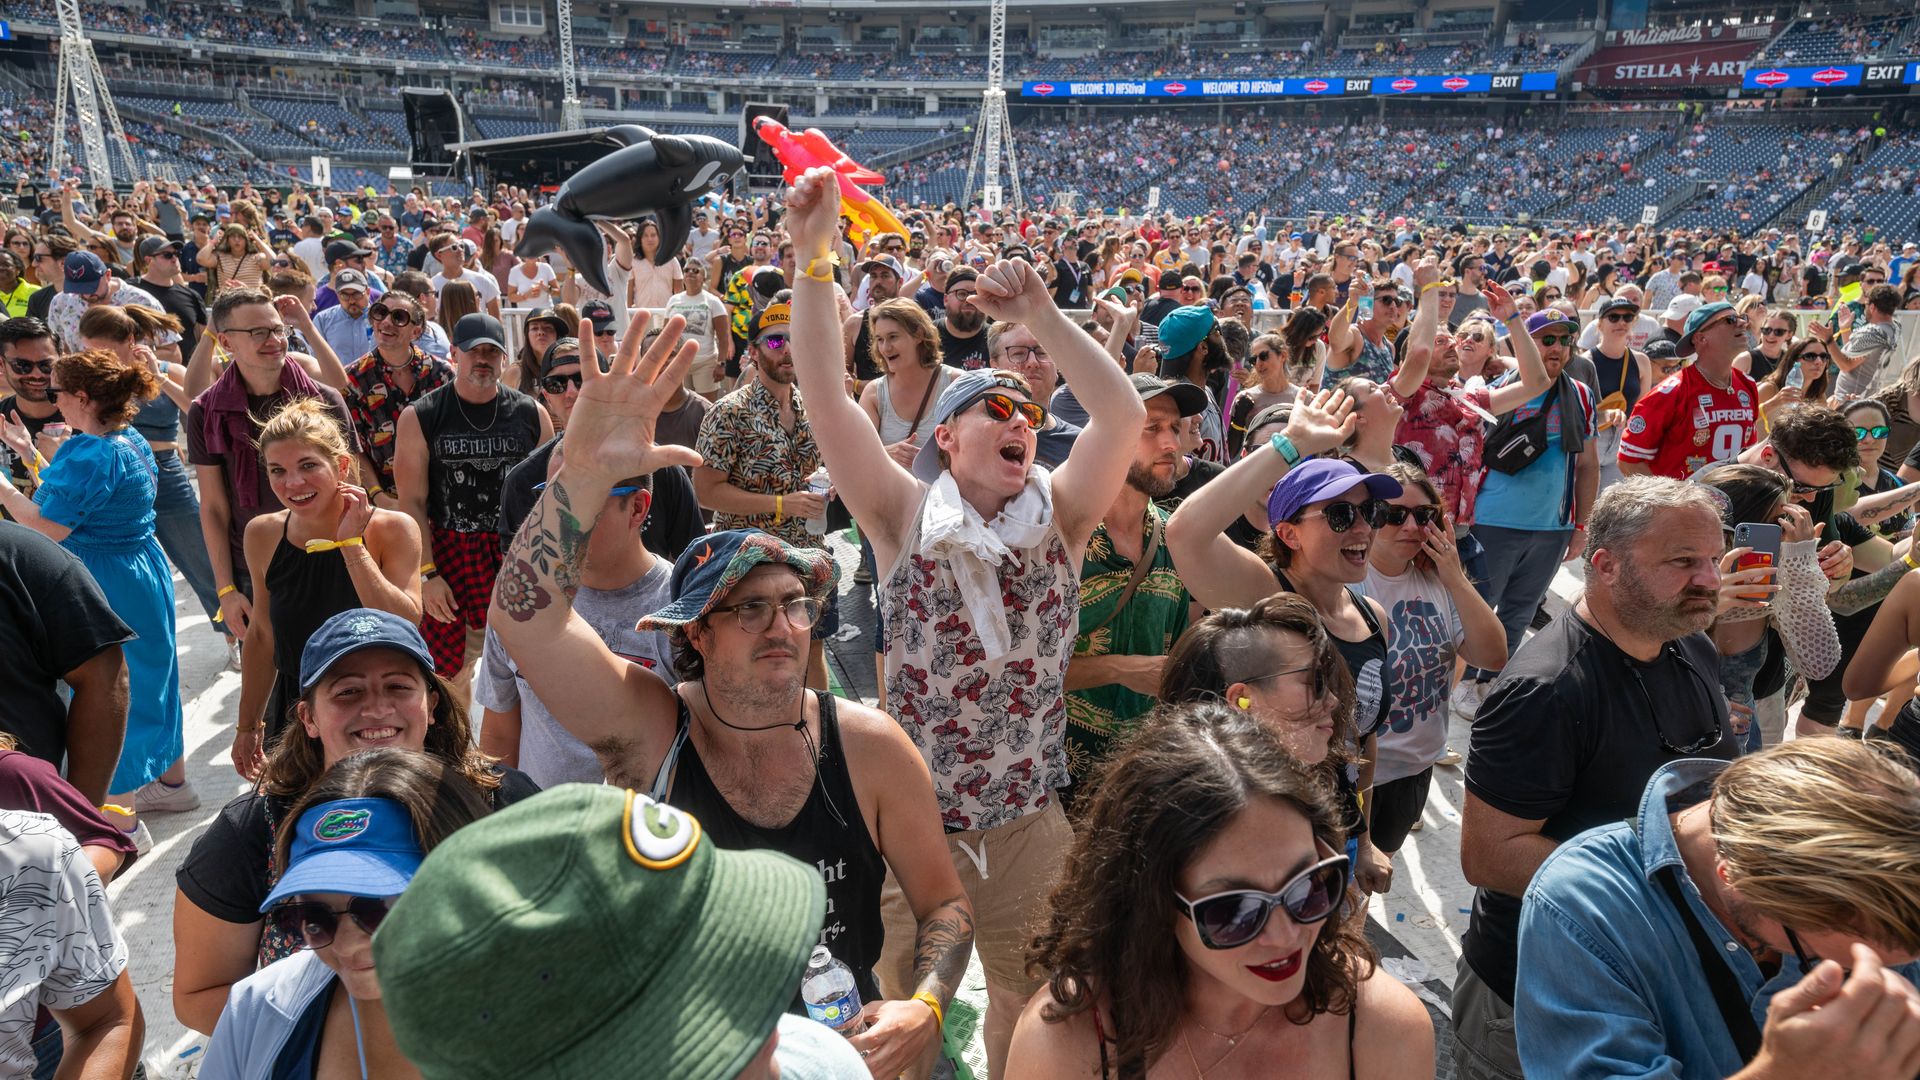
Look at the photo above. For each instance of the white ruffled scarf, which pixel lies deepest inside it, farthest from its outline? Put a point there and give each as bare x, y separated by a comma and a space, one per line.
953, 531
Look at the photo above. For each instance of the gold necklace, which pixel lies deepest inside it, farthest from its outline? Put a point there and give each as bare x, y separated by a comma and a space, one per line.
1233, 1042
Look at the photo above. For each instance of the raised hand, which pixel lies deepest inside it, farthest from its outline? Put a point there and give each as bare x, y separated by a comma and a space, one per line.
14, 434
1426, 273
1500, 303
611, 433
813, 214
1011, 291
1321, 422
356, 513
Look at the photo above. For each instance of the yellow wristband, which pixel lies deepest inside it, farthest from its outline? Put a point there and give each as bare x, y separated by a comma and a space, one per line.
779, 508
428, 568
1909, 560
812, 268
1431, 285
939, 1016
314, 547
221, 593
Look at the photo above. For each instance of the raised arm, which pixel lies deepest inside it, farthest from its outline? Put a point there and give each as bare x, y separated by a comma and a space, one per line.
1526, 354
595, 694
1084, 485
1426, 324
882, 495
1218, 572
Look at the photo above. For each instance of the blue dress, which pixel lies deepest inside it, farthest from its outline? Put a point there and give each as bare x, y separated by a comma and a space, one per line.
102, 487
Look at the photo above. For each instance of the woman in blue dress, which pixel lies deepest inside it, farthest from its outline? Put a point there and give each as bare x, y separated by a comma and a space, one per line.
96, 500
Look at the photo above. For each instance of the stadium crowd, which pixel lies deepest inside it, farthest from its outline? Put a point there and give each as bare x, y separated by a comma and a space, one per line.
1189, 536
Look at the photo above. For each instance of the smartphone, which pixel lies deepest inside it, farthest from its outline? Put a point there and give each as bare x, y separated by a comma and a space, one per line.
1763, 538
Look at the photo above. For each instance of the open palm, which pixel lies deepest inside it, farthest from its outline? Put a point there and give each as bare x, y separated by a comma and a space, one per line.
610, 435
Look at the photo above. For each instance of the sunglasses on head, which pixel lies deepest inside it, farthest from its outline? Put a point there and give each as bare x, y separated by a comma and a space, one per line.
557, 384
1001, 407
316, 922
1228, 920
1341, 516
1422, 515
400, 316
1878, 431
27, 367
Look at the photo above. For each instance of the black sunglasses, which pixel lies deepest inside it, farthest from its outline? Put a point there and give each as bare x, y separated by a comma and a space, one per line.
1774, 331
316, 922
1228, 920
1424, 515
1622, 316
1710, 739
557, 384
1341, 516
400, 316
26, 367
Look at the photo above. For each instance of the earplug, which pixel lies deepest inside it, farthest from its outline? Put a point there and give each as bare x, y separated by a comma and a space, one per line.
1243, 701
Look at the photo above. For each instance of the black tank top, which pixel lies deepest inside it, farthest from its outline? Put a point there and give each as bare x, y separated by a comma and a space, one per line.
469, 450
828, 833
1760, 365
1366, 662
864, 368
1608, 371
306, 590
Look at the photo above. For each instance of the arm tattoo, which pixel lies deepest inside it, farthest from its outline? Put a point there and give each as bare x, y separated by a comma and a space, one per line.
547, 557
1861, 593
941, 948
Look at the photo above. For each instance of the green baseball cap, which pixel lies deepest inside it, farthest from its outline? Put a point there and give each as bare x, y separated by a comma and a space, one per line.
590, 931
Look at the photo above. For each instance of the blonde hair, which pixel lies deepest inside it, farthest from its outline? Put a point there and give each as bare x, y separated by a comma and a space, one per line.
1825, 833
305, 421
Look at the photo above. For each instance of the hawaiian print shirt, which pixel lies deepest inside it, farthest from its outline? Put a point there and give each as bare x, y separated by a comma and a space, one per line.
1154, 616
992, 732
393, 260
375, 402
742, 437
1450, 439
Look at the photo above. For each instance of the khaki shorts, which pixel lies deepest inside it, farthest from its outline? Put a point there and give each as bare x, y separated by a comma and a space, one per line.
1008, 873
700, 377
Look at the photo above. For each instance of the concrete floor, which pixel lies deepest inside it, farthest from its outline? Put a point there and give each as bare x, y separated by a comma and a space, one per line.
1417, 926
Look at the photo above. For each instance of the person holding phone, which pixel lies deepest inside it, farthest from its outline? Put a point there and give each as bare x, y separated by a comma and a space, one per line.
1774, 541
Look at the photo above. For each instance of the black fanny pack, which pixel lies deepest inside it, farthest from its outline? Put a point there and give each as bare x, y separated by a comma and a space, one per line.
1514, 445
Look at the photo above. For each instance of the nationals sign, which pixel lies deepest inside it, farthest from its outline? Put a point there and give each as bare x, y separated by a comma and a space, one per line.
1720, 63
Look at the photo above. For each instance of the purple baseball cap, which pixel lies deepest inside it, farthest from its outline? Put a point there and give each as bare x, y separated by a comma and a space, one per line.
1323, 478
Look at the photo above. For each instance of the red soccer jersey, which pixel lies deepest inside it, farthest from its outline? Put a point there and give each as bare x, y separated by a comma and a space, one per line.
1687, 423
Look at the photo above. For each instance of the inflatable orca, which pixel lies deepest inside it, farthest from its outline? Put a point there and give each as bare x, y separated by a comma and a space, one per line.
652, 173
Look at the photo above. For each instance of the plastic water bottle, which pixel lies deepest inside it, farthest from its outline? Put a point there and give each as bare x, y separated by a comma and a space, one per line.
830, 994
819, 484
1796, 379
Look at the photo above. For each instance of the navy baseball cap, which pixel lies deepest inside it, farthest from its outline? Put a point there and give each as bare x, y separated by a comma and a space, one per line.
354, 847
960, 393
1323, 478
477, 329
84, 271
710, 567
353, 630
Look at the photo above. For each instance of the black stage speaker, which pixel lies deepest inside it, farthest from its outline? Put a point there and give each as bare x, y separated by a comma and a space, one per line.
434, 123
762, 167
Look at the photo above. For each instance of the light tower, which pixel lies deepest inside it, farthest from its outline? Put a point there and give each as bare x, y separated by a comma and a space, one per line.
80, 78
571, 118
993, 133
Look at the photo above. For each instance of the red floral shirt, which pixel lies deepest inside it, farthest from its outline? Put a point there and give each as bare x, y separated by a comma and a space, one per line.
375, 401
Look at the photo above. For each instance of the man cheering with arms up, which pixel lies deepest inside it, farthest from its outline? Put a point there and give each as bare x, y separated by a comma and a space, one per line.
980, 553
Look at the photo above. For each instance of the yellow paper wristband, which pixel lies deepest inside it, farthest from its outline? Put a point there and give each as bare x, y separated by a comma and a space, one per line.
779, 508
812, 268
428, 568
939, 1016
1424, 289
221, 593
314, 547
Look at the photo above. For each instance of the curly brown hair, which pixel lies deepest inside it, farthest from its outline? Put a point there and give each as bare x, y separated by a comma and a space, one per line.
115, 387
1108, 942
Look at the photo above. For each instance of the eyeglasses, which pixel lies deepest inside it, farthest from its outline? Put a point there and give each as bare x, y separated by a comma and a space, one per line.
960, 294
1022, 354
1001, 407
1548, 341
1774, 331
557, 384
1342, 516
1319, 677
1711, 738
1878, 431
400, 316
1807, 960
260, 334
1422, 515
316, 922
1621, 316
28, 367
755, 616
1228, 920
773, 342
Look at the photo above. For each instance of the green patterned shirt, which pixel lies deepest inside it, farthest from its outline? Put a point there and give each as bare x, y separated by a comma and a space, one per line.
1155, 616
